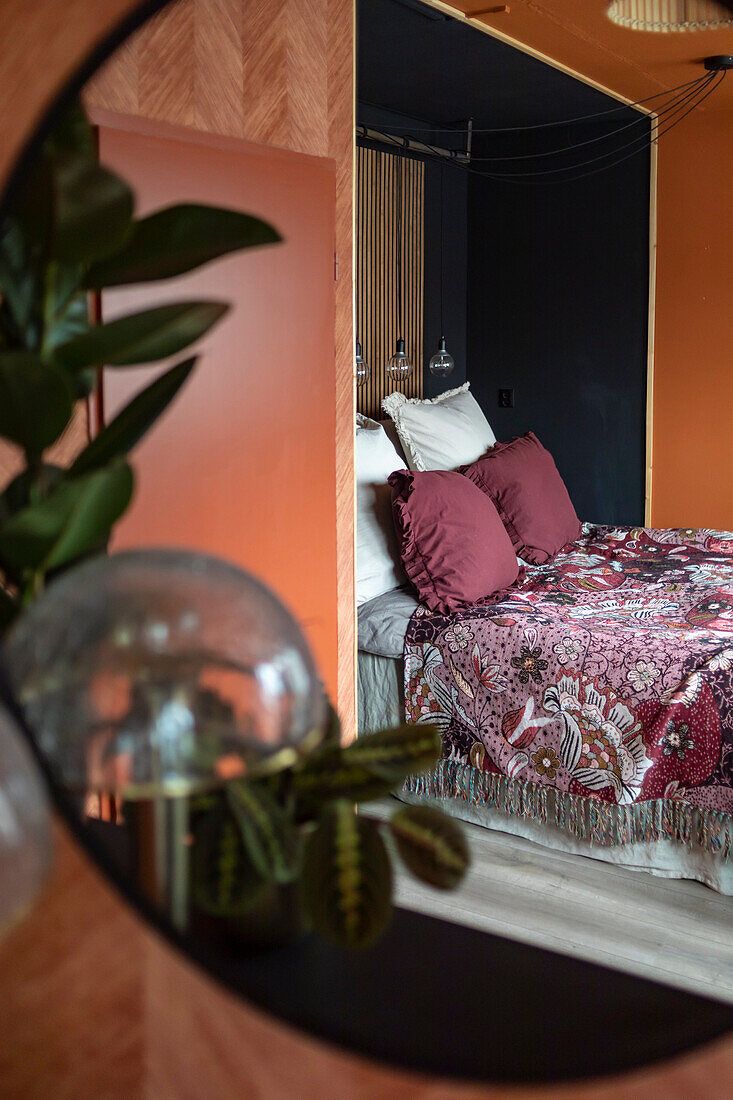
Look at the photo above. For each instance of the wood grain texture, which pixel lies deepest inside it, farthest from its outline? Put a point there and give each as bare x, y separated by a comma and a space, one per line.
41, 43
276, 73
261, 70
72, 988
384, 181
341, 119
97, 1005
580, 39
667, 930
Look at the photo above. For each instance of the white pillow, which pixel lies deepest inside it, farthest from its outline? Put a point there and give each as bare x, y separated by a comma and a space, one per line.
443, 433
378, 565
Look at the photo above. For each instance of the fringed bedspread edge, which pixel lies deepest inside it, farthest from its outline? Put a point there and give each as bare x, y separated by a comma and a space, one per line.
603, 823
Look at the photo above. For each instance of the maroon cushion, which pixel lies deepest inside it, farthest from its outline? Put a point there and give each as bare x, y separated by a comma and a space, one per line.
453, 544
522, 480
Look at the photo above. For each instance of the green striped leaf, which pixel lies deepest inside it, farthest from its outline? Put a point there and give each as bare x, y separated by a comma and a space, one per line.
224, 881
346, 884
327, 776
431, 845
268, 832
405, 750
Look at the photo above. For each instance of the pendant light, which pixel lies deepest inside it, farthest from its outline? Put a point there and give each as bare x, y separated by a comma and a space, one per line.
400, 366
361, 371
362, 367
665, 16
441, 363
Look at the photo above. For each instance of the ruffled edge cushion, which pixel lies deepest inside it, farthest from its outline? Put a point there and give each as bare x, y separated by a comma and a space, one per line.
453, 544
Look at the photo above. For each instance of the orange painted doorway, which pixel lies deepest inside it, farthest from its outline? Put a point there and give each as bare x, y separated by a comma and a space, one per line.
242, 464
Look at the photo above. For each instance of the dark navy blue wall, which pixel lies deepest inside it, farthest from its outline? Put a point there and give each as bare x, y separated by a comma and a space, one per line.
558, 281
546, 284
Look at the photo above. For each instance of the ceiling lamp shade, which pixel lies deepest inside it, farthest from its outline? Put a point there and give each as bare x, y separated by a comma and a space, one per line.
665, 16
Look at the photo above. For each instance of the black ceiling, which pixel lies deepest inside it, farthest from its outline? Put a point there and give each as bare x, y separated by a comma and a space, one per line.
416, 62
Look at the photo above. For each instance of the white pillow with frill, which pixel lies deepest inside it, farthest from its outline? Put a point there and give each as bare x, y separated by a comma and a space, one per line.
440, 433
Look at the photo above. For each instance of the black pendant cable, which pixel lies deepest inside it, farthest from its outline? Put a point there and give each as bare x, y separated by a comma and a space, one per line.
399, 367
441, 363
639, 135
361, 366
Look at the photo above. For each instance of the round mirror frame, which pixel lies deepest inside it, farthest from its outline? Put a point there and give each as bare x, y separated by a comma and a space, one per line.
425, 970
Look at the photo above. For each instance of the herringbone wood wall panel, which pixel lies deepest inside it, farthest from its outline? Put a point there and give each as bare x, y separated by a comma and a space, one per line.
279, 74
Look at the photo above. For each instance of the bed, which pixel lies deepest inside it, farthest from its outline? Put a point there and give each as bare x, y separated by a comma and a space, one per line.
589, 708
588, 703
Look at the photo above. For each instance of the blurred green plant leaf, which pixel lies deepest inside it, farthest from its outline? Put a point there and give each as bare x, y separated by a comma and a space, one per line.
268, 831
432, 846
327, 776
19, 492
346, 884
332, 732
9, 609
141, 337
35, 401
369, 768
396, 753
74, 519
131, 424
178, 239
73, 135
68, 308
18, 289
92, 211
224, 879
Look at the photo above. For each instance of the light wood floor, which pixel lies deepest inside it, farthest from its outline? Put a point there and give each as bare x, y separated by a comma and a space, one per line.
676, 932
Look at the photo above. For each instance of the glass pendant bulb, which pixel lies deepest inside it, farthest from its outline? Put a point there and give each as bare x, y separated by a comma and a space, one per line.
362, 367
442, 363
399, 367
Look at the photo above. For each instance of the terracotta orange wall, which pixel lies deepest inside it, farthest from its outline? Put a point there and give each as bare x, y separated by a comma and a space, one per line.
243, 462
693, 386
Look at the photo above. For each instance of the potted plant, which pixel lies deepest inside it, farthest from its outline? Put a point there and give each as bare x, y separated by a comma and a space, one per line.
270, 852
276, 855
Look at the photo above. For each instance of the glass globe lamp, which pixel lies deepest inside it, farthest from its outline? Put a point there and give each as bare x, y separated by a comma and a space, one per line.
362, 367
399, 367
441, 363
25, 838
162, 672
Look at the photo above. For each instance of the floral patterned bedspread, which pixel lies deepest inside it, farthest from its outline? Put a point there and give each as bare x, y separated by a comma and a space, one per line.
605, 676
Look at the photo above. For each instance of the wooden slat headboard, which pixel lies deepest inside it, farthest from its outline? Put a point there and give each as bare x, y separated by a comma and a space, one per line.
377, 193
